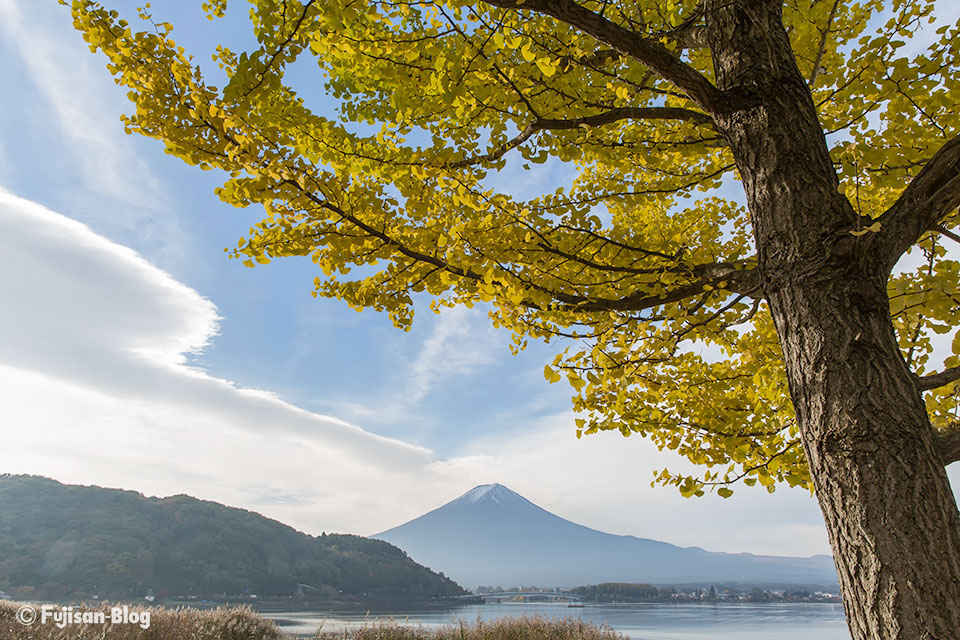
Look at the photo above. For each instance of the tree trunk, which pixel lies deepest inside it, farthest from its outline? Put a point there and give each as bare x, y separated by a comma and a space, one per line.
890, 514
889, 510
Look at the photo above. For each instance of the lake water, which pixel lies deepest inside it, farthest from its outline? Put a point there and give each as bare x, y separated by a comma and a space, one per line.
707, 621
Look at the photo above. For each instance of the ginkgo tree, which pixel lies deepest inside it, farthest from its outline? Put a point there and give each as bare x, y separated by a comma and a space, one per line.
818, 302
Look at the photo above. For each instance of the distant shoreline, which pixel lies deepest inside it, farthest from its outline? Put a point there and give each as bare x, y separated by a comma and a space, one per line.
385, 609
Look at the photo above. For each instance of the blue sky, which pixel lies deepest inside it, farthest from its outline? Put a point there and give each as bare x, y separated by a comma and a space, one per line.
319, 355
134, 354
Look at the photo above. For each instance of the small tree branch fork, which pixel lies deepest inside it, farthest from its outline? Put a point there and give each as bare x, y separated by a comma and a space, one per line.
931, 196
824, 35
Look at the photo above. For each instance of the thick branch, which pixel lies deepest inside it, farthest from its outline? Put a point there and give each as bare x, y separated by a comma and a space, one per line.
648, 52
607, 117
740, 281
623, 113
936, 380
948, 442
932, 195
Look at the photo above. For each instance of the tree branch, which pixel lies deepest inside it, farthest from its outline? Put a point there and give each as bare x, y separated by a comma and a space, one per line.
633, 113
733, 276
650, 53
932, 195
607, 117
823, 44
943, 230
936, 380
689, 34
742, 281
280, 48
383, 237
947, 442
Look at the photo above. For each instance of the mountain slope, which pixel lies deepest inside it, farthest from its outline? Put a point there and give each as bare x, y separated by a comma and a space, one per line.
57, 540
493, 536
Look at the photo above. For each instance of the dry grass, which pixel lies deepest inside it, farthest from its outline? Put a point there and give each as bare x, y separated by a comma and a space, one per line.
165, 624
535, 628
243, 624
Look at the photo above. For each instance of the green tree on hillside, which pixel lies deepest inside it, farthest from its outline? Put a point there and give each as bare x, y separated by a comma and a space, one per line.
847, 150
61, 540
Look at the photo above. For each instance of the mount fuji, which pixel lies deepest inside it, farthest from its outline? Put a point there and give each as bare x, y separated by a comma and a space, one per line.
493, 536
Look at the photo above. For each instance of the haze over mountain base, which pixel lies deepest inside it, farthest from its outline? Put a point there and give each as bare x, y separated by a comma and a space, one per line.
493, 536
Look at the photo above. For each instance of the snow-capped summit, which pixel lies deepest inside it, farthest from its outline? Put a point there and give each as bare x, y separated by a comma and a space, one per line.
478, 492
492, 493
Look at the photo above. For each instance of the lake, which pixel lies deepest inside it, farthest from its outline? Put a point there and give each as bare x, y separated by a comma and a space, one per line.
706, 621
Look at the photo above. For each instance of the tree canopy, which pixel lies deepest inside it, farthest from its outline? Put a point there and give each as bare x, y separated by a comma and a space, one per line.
641, 256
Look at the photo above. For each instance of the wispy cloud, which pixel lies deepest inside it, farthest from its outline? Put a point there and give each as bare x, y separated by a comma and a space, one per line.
461, 344
81, 102
69, 109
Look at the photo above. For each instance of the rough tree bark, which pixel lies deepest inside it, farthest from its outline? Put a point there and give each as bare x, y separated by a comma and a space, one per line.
880, 479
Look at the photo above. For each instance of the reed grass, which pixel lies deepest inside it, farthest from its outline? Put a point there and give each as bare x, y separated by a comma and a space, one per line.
526, 628
240, 623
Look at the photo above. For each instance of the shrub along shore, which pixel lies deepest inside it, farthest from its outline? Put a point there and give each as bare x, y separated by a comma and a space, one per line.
241, 623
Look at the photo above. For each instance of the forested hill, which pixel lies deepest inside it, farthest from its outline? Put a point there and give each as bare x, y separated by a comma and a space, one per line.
59, 541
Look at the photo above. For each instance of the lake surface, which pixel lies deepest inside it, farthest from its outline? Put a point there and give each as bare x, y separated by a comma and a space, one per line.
706, 621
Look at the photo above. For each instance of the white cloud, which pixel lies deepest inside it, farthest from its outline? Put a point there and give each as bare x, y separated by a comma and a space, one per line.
166, 319
6, 168
95, 386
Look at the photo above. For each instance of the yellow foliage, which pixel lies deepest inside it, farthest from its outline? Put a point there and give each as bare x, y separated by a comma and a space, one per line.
636, 258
